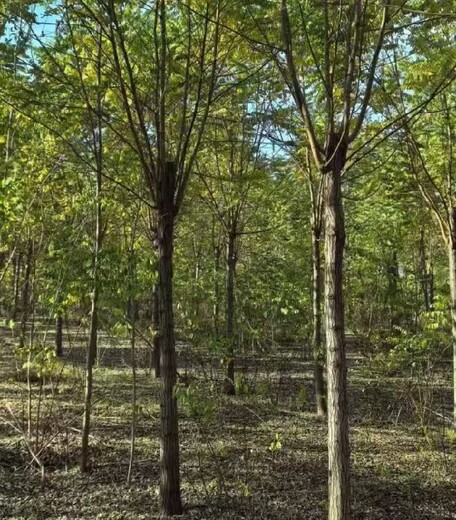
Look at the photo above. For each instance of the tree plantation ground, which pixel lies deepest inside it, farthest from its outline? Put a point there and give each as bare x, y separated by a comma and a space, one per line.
261, 454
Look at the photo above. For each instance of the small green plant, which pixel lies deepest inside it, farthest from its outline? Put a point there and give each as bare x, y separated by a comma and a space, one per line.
386, 472
243, 488
241, 385
301, 398
262, 388
221, 449
276, 444
450, 436
36, 362
413, 352
119, 330
196, 402
213, 487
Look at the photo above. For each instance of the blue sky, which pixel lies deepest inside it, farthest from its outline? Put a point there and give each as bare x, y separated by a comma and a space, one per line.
45, 24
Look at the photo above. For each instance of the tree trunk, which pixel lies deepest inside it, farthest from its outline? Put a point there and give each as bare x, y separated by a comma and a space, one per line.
91, 355
425, 274
156, 329
319, 382
393, 292
59, 335
26, 291
452, 262
16, 285
132, 319
170, 496
338, 442
216, 270
90, 360
155, 301
228, 386
92, 349
93, 333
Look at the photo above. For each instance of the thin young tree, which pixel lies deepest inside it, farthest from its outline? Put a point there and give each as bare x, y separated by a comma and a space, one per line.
315, 184
237, 162
92, 98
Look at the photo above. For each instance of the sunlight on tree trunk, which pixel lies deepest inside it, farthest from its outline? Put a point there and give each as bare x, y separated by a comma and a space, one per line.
338, 444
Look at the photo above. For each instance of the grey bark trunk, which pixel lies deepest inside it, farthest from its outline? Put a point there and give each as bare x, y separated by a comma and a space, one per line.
170, 495
338, 441
228, 386
155, 304
319, 383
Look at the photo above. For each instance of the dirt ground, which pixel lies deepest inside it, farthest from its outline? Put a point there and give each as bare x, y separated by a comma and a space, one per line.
259, 455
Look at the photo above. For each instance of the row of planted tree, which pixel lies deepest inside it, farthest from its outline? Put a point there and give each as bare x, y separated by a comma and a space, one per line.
181, 164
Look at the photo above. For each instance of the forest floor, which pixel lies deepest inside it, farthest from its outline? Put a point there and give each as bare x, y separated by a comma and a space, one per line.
259, 455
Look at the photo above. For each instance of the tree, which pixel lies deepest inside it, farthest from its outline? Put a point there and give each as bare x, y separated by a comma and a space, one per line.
180, 86
237, 163
332, 81
346, 102
316, 223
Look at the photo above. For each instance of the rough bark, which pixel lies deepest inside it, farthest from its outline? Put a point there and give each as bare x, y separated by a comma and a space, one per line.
338, 441
228, 386
155, 301
156, 329
170, 497
91, 350
319, 383
59, 335
452, 262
